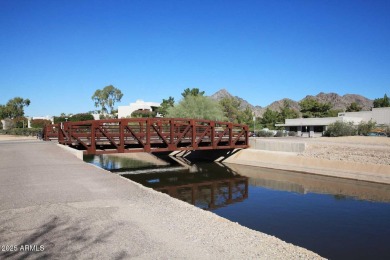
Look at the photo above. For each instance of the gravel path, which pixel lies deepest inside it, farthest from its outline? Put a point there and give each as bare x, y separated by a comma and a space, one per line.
370, 150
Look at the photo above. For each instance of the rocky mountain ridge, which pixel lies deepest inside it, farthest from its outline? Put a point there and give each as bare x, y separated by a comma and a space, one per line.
338, 102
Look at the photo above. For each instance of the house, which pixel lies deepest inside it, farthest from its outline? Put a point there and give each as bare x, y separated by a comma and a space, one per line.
125, 111
312, 127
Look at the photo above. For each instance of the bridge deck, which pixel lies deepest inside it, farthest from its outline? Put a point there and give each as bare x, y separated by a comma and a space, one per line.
148, 135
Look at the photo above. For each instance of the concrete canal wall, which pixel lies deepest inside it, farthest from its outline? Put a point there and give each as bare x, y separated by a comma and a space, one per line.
70, 209
276, 145
290, 154
293, 162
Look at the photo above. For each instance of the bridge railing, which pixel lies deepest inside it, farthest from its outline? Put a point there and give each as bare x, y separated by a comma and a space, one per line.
148, 135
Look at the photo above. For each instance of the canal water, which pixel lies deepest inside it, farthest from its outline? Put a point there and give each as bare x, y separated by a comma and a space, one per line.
336, 218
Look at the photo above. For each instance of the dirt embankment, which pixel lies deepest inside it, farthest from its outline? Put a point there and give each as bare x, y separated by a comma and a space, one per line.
360, 149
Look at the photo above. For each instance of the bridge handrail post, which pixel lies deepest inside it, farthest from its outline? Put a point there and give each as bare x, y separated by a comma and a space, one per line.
212, 136
193, 138
92, 147
147, 135
230, 126
172, 134
121, 135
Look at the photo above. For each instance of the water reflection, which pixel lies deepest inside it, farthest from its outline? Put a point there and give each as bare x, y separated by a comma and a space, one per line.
309, 183
194, 182
122, 162
202, 187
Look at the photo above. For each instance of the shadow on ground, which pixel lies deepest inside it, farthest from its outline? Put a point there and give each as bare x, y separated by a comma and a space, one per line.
60, 238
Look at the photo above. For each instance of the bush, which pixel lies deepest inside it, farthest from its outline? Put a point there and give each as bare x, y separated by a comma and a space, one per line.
20, 122
292, 133
22, 131
365, 127
143, 113
40, 123
81, 117
340, 129
59, 119
264, 133
73, 118
280, 133
388, 131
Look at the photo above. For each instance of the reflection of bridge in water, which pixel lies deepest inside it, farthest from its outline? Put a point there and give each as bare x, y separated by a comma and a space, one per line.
206, 190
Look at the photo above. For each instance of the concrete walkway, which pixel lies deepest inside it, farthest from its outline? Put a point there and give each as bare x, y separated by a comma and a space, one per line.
63, 208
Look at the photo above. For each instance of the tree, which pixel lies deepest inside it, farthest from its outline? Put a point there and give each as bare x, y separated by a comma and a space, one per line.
382, 102
312, 108
269, 119
192, 92
106, 98
340, 128
3, 112
80, 117
166, 103
233, 113
14, 108
230, 107
20, 122
199, 107
365, 127
286, 112
354, 107
333, 113
246, 116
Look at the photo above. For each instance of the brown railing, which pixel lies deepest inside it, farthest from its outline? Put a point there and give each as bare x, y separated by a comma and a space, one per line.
148, 135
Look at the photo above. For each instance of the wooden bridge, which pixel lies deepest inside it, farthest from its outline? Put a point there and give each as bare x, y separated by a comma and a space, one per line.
147, 135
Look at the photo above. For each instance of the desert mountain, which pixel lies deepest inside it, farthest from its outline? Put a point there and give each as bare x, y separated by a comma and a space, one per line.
337, 101
342, 102
223, 93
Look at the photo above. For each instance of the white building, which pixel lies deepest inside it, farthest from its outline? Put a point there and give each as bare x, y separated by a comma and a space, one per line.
316, 126
125, 111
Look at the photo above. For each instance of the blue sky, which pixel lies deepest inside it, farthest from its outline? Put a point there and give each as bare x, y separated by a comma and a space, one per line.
57, 53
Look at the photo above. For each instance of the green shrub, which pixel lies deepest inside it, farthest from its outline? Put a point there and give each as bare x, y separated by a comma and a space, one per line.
387, 131
59, 119
264, 133
280, 133
292, 133
81, 117
73, 118
22, 131
340, 129
365, 127
143, 113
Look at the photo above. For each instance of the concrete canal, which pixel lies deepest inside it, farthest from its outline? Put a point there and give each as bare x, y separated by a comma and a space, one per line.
336, 218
